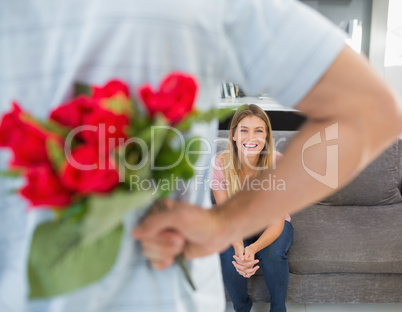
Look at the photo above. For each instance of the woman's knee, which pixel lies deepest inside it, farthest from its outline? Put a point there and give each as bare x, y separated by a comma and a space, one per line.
272, 253
278, 250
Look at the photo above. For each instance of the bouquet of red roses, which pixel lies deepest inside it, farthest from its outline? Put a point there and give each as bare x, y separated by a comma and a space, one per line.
80, 162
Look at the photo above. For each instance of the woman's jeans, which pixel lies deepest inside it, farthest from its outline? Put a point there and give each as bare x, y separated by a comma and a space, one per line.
274, 265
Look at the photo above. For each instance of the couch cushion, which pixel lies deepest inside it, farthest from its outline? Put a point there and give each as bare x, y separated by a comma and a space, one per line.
222, 140
344, 239
378, 184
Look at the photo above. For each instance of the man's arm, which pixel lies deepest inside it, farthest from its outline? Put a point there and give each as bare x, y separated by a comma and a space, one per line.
361, 116
220, 197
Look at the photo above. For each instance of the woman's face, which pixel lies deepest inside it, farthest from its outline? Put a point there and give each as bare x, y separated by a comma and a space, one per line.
250, 136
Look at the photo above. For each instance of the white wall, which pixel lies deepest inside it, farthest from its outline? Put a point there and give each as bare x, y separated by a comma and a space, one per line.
393, 45
386, 41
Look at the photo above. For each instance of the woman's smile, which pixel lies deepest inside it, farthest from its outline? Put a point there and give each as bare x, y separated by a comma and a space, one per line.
250, 146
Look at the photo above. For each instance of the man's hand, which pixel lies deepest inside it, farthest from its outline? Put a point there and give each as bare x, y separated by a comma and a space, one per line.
161, 234
162, 249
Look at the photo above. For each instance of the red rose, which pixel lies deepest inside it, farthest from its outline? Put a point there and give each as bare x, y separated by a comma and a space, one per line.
87, 112
85, 172
10, 123
174, 99
44, 188
110, 129
73, 113
114, 97
24, 137
111, 89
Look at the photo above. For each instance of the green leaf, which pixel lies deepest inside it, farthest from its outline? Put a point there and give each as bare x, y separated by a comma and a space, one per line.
174, 163
55, 127
74, 212
49, 125
82, 89
106, 212
128, 160
153, 138
193, 147
119, 104
10, 174
205, 117
185, 124
55, 152
169, 158
160, 129
147, 129
141, 123
144, 172
58, 263
224, 113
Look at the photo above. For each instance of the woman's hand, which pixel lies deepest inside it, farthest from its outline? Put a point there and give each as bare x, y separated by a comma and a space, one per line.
249, 253
245, 268
239, 249
245, 264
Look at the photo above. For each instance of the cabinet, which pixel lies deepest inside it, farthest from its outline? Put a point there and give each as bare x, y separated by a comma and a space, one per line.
344, 14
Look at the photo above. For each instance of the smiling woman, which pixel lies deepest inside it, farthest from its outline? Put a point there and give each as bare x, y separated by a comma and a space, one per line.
250, 148
250, 138
250, 152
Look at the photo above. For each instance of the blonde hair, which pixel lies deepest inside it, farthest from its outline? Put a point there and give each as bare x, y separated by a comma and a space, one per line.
230, 158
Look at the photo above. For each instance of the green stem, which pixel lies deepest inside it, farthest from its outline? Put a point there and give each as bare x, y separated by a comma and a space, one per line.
180, 258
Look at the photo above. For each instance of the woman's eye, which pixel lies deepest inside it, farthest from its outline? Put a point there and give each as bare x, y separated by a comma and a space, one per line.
243, 130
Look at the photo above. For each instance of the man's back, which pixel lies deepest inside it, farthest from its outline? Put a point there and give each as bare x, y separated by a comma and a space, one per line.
46, 46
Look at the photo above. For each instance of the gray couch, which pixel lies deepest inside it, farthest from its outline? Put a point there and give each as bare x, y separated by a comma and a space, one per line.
348, 247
